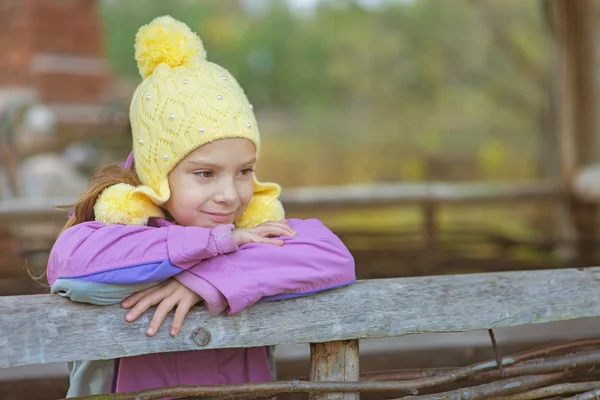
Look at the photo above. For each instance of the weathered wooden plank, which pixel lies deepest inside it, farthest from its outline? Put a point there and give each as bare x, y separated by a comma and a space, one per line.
335, 361
403, 193
16, 211
41, 329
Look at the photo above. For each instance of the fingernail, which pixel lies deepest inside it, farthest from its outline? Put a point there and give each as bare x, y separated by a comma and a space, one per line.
150, 331
173, 332
129, 317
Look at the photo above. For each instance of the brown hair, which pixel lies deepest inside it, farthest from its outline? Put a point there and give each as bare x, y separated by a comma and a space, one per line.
83, 209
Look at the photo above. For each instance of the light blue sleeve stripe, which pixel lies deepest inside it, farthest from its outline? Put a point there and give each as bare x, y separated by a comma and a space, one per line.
103, 294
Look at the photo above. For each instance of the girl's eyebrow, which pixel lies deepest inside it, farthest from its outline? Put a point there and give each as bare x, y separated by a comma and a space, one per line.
211, 164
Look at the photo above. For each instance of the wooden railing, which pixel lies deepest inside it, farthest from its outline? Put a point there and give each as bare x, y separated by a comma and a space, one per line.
42, 329
340, 197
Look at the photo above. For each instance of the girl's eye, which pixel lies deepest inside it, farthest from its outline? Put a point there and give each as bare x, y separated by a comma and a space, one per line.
204, 174
246, 171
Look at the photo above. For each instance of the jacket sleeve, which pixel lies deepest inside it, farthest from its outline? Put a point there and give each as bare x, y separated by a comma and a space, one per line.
122, 254
313, 260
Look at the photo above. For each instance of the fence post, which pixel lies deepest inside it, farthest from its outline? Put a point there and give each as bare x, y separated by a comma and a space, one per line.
576, 76
431, 255
334, 362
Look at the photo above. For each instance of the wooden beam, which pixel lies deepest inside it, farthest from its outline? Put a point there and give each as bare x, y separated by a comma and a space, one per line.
576, 76
576, 82
38, 210
403, 193
334, 362
47, 328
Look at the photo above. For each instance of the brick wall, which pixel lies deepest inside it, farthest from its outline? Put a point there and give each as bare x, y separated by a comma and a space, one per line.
54, 46
15, 43
66, 26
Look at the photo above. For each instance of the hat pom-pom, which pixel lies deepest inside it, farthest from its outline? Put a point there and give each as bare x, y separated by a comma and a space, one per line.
166, 40
121, 204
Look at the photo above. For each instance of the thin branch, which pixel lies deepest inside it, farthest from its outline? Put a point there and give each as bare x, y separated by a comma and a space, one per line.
249, 396
409, 374
593, 395
582, 360
485, 391
555, 348
496, 353
551, 391
404, 374
485, 372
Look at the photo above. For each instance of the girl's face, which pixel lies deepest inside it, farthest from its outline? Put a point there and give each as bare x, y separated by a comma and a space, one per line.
213, 185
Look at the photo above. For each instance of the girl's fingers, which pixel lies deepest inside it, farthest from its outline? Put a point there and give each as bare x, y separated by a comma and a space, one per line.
260, 239
277, 231
269, 230
160, 314
136, 297
182, 309
145, 303
282, 225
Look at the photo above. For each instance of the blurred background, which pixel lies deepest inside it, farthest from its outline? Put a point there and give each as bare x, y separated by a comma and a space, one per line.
432, 136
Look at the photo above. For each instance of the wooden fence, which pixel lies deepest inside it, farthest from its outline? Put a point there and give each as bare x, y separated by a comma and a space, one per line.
425, 195
38, 329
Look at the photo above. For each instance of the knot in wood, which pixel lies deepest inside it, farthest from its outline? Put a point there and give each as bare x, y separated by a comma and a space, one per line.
201, 337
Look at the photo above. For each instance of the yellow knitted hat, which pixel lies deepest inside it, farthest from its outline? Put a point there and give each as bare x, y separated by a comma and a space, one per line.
183, 102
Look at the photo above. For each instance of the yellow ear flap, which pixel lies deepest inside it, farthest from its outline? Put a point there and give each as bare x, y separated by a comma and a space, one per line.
264, 206
122, 204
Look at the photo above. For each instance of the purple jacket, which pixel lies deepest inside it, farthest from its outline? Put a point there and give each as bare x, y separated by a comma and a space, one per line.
94, 258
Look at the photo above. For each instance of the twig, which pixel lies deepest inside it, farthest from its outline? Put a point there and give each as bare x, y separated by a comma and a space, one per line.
250, 396
554, 390
526, 355
594, 394
548, 365
495, 347
485, 391
404, 374
481, 371
515, 359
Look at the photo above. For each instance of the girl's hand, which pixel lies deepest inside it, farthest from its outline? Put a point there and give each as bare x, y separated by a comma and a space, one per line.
263, 233
169, 294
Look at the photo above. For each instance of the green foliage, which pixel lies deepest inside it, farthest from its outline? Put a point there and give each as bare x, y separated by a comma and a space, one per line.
387, 93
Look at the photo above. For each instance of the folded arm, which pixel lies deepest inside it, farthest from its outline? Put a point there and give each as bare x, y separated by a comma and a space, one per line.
105, 264
314, 260
117, 257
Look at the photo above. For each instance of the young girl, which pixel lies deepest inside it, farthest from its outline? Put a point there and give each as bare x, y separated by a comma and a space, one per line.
185, 220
